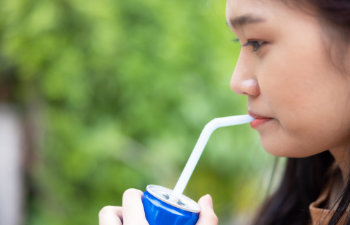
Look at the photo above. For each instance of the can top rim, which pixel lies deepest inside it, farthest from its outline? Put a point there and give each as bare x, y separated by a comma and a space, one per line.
160, 192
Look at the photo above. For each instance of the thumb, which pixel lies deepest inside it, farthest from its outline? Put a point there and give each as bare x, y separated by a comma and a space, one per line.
207, 215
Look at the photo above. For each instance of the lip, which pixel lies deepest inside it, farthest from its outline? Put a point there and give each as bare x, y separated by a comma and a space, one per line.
258, 120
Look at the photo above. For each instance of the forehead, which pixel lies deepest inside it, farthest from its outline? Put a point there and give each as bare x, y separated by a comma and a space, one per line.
277, 13
235, 7
266, 9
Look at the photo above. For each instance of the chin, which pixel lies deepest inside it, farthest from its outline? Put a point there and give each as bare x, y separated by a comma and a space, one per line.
283, 150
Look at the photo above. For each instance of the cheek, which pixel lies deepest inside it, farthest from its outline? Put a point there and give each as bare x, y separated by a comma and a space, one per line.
287, 86
295, 79
307, 100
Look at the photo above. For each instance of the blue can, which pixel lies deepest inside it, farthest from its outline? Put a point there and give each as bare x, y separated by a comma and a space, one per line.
162, 207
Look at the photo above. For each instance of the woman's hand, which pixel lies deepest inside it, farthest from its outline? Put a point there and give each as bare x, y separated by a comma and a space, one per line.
207, 215
132, 212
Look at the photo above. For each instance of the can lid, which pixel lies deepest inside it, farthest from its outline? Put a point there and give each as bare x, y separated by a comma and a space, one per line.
179, 201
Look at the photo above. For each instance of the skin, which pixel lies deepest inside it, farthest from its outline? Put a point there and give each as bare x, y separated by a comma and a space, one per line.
293, 80
132, 212
290, 79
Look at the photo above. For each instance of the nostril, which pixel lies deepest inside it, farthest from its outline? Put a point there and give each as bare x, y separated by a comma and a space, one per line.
246, 87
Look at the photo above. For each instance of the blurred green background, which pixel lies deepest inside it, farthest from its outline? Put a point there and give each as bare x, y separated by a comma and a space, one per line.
119, 92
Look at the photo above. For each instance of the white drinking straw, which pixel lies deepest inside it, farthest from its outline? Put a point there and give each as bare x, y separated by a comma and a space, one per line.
201, 143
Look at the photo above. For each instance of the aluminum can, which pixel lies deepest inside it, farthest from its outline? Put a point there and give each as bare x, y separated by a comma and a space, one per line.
162, 207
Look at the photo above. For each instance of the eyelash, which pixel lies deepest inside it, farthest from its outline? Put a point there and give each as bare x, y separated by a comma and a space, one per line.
255, 44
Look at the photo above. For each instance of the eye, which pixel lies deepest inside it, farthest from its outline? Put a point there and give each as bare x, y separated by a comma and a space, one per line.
255, 44
236, 40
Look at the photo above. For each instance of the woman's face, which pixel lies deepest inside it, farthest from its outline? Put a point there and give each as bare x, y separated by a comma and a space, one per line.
301, 99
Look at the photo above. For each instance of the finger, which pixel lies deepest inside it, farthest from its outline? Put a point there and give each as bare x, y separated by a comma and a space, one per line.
110, 215
207, 215
133, 212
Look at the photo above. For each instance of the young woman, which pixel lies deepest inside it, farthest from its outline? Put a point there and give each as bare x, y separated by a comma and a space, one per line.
294, 67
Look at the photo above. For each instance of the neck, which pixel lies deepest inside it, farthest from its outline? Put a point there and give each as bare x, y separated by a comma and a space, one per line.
342, 159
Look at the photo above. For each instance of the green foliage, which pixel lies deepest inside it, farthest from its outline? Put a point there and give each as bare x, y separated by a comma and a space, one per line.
124, 89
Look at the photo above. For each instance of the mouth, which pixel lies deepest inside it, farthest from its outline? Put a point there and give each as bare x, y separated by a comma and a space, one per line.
258, 120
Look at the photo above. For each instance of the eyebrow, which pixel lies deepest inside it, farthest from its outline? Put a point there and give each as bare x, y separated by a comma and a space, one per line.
244, 20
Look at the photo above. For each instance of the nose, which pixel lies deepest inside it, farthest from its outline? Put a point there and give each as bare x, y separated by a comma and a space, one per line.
243, 79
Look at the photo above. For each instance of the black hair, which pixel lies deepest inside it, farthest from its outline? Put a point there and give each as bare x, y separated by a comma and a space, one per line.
303, 181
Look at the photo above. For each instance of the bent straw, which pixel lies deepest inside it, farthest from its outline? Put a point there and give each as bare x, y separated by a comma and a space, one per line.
201, 143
